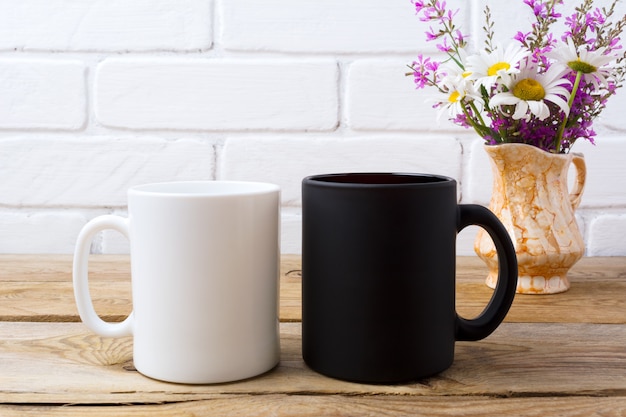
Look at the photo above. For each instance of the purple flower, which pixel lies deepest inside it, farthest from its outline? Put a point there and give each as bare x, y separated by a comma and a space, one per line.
461, 120
431, 35
419, 5
521, 37
460, 38
587, 33
540, 9
614, 44
444, 47
425, 72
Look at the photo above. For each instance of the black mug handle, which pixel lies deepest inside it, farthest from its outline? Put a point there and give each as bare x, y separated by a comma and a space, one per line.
502, 298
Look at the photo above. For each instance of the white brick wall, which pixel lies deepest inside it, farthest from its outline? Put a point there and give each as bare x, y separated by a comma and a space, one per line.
287, 159
42, 94
106, 25
221, 94
94, 171
329, 26
96, 96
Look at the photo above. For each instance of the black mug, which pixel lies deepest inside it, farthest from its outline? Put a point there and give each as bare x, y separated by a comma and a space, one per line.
378, 275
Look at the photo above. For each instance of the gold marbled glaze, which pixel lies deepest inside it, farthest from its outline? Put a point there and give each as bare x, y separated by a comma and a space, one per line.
532, 199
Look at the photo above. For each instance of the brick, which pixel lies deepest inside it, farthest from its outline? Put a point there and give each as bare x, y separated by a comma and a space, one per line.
477, 184
113, 242
291, 230
606, 177
465, 242
280, 70
114, 25
286, 160
226, 94
39, 232
364, 26
39, 93
606, 235
379, 96
501, 13
94, 172
613, 115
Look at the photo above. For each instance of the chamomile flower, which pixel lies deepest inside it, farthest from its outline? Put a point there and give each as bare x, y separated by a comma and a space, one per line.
450, 101
488, 68
529, 91
455, 70
455, 92
592, 64
454, 74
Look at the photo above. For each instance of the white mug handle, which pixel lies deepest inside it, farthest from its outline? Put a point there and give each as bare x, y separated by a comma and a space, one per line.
81, 280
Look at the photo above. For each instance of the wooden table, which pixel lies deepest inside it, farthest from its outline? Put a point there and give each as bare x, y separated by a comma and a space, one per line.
555, 355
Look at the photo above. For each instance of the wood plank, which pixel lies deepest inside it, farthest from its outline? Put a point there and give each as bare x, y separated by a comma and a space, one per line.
544, 369
339, 405
598, 268
58, 268
63, 363
585, 302
39, 288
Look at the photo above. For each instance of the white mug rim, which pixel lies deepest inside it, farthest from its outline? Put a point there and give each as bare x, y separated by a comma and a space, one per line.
208, 188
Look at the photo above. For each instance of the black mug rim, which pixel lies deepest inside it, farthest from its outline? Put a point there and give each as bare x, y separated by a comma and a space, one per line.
378, 179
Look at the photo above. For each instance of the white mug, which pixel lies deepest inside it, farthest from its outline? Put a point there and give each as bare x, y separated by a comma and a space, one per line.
205, 279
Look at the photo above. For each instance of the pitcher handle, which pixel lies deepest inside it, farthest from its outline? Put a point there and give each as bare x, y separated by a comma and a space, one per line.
579, 183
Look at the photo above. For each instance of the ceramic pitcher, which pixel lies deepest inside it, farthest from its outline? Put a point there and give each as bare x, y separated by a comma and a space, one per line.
531, 197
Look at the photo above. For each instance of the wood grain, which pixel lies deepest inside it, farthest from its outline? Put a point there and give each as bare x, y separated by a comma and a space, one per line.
556, 355
530, 360
338, 405
39, 288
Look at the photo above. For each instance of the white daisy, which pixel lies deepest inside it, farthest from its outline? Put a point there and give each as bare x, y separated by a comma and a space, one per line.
456, 91
592, 64
499, 65
529, 91
450, 101
455, 75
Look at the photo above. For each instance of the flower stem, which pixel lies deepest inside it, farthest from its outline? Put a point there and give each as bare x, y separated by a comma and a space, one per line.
481, 129
477, 113
559, 136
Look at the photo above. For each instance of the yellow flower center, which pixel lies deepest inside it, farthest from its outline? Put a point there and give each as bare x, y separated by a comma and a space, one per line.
493, 70
581, 66
529, 90
454, 97
466, 74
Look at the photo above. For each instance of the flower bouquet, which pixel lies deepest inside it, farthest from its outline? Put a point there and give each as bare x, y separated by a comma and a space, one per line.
538, 89
532, 98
